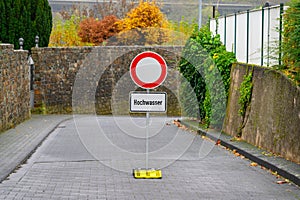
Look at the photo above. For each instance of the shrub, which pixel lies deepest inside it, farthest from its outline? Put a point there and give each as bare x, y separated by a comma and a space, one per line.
206, 65
65, 33
97, 31
181, 31
291, 41
143, 25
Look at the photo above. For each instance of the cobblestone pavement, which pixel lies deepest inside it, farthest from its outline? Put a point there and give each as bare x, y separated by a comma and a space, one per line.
17, 143
68, 165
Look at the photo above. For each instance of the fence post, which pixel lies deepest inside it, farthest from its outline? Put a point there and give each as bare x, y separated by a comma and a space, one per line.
235, 29
214, 11
217, 25
248, 29
225, 30
200, 14
280, 34
262, 35
268, 58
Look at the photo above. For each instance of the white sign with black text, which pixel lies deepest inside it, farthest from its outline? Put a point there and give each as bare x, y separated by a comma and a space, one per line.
148, 102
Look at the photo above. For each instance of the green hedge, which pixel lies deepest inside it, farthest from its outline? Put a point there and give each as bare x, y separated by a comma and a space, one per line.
206, 66
291, 41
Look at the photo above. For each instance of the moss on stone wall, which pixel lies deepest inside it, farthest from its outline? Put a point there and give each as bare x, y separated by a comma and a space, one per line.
273, 120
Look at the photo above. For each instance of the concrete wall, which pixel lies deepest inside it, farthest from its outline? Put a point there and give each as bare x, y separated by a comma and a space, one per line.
272, 120
14, 86
94, 79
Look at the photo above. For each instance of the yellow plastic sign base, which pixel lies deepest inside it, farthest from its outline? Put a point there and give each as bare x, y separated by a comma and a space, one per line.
147, 173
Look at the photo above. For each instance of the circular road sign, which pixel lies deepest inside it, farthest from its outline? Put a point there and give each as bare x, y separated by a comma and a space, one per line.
148, 70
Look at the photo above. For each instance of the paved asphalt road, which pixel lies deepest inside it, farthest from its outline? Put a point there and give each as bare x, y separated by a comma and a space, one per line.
93, 157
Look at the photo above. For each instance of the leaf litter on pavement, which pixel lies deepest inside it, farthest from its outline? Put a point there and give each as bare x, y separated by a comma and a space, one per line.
235, 152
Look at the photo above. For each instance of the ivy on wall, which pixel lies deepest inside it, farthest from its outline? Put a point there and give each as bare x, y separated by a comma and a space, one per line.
245, 99
245, 94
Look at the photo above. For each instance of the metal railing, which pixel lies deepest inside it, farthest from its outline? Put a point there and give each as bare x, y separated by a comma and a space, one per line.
254, 36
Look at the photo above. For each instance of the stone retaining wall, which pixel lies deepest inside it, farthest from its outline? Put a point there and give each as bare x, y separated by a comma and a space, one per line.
95, 79
272, 120
14, 87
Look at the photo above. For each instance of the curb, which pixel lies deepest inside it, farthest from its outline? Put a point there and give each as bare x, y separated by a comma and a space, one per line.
268, 165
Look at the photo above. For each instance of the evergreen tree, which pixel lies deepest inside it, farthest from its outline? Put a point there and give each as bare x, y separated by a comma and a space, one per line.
25, 19
2, 18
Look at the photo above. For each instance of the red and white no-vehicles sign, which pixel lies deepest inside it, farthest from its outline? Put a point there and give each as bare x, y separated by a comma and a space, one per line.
148, 70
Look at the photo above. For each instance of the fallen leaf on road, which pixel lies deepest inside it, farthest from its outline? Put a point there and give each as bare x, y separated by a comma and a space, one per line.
253, 164
183, 127
237, 154
176, 123
274, 173
218, 142
281, 182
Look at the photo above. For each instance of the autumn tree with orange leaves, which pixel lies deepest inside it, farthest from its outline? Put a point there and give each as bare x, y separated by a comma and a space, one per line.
96, 31
143, 25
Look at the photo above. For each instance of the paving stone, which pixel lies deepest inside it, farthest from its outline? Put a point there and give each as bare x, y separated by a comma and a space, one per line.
16, 144
63, 168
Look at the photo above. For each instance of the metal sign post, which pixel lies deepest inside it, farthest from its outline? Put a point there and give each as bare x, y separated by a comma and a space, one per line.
147, 135
148, 70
